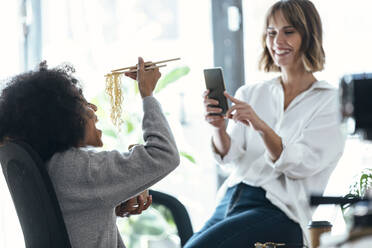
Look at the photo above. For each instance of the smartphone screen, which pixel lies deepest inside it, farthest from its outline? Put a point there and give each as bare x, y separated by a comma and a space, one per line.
215, 83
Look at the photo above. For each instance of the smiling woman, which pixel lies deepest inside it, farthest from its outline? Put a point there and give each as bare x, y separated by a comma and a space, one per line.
47, 110
288, 32
276, 146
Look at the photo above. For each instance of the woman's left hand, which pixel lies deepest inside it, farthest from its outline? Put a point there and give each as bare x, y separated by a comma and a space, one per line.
134, 205
244, 113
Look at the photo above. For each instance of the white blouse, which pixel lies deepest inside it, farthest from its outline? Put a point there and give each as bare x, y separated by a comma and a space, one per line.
312, 141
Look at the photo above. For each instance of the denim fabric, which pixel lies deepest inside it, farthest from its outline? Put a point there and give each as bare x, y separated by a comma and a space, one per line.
243, 217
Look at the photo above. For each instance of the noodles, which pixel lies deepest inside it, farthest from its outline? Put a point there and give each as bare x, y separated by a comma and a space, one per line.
113, 89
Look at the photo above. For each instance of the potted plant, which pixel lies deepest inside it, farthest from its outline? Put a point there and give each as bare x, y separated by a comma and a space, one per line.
358, 189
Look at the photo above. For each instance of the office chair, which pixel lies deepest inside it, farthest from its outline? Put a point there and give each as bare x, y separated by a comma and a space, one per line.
37, 206
34, 198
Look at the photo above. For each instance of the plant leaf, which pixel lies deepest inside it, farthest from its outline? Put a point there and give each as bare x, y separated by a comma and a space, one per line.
109, 132
136, 90
171, 77
129, 125
188, 156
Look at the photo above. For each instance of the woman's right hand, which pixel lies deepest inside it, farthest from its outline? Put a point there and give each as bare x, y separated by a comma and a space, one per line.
146, 79
216, 121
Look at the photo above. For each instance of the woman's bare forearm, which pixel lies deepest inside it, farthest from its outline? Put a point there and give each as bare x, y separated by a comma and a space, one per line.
221, 141
273, 143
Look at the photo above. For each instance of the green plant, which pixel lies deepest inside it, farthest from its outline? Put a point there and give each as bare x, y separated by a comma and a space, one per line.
171, 77
358, 189
362, 184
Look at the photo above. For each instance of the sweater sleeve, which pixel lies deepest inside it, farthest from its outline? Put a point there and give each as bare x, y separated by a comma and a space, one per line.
118, 176
320, 145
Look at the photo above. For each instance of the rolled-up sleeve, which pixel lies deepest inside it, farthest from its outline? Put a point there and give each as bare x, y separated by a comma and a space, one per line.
320, 145
236, 131
236, 146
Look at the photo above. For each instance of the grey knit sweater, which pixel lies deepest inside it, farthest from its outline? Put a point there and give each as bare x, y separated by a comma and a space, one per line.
90, 184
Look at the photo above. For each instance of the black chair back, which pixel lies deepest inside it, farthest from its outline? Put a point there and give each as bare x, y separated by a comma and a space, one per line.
34, 197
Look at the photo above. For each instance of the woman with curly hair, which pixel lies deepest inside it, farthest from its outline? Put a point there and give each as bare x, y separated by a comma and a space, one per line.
47, 110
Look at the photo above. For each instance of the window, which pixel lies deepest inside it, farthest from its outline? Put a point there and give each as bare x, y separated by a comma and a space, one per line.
10, 64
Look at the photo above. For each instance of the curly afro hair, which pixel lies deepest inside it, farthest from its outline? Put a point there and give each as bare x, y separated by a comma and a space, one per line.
44, 108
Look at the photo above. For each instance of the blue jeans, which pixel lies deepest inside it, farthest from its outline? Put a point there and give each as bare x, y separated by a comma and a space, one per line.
243, 217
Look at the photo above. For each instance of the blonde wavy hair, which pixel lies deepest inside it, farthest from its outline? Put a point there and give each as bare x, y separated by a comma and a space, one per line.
303, 15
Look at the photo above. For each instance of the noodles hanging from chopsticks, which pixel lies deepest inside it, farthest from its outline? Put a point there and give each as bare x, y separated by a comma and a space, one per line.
113, 89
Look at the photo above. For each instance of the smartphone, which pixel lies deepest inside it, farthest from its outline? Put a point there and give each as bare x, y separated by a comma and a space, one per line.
216, 85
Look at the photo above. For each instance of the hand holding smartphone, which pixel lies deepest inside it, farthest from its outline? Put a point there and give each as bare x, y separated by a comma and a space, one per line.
215, 84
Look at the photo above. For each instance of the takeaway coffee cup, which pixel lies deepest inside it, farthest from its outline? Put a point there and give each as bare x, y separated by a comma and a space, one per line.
316, 228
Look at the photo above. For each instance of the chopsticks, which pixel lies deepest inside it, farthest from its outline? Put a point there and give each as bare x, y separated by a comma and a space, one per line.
148, 66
